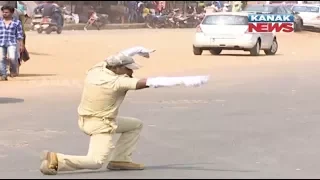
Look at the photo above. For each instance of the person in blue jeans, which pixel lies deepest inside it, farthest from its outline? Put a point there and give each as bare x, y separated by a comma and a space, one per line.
11, 33
133, 7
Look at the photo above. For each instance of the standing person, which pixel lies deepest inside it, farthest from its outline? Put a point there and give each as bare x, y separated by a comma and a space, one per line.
139, 4
11, 34
145, 11
133, 8
140, 11
236, 6
161, 6
200, 7
105, 87
226, 7
21, 14
218, 4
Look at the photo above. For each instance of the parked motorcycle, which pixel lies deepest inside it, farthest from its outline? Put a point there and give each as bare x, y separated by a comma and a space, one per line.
102, 20
165, 20
190, 21
158, 21
70, 18
174, 19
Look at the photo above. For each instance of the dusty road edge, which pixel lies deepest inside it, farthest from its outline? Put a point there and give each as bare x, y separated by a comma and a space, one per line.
107, 26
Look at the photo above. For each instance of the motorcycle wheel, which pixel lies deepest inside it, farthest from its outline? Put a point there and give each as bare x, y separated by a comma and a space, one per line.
48, 30
197, 23
191, 25
158, 26
40, 30
167, 25
172, 25
149, 26
59, 30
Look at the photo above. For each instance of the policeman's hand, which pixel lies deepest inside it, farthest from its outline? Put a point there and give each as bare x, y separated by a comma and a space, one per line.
146, 52
21, 48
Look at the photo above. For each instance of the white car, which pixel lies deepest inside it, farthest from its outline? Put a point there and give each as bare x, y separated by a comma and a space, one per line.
228, 31
310, 14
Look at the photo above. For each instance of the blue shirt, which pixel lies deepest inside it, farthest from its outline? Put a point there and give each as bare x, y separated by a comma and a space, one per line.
11, 34
132, 5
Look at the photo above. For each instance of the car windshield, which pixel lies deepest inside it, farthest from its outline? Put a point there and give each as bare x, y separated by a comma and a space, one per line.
288, 6
259, 8
312, 9
225, 20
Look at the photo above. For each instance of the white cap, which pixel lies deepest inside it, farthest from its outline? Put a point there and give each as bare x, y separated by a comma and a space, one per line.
122, 60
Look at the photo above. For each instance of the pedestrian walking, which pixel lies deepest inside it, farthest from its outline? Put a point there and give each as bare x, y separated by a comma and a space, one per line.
11, 33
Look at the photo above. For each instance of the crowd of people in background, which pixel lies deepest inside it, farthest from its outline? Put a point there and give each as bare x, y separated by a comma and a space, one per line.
138, 10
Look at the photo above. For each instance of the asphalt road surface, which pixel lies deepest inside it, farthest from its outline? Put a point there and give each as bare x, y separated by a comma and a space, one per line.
256, 118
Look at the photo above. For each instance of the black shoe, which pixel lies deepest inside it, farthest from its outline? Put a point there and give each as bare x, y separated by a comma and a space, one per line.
4, 78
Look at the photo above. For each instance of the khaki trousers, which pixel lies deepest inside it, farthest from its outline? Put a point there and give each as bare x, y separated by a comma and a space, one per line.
101, 132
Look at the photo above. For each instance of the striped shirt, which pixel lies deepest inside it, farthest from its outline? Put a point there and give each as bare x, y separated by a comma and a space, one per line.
10, 34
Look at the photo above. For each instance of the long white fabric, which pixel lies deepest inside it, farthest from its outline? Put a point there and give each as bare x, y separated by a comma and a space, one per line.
137, 50
176, 81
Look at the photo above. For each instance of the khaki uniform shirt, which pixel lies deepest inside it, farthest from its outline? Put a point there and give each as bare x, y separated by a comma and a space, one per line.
104, 92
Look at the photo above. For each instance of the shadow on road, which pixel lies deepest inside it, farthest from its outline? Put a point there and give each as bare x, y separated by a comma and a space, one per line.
10, 100
187, 167
35, 75
194, 168
315, 30
39, 54
248, 55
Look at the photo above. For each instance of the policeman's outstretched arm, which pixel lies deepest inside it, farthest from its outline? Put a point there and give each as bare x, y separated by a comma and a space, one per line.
127, 83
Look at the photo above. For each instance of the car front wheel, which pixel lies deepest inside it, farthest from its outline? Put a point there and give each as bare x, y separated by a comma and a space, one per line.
40, 30
215, 51
197, 51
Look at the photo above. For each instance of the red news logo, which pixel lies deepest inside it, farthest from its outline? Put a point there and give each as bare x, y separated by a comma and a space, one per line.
270, 27
264, 23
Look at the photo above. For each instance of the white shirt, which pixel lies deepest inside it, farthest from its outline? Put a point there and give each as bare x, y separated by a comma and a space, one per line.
139, 4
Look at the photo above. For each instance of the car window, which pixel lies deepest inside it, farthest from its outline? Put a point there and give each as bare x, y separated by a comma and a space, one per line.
259, 8
313, 9
280, 10
225, 20
288, 6
287, 10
